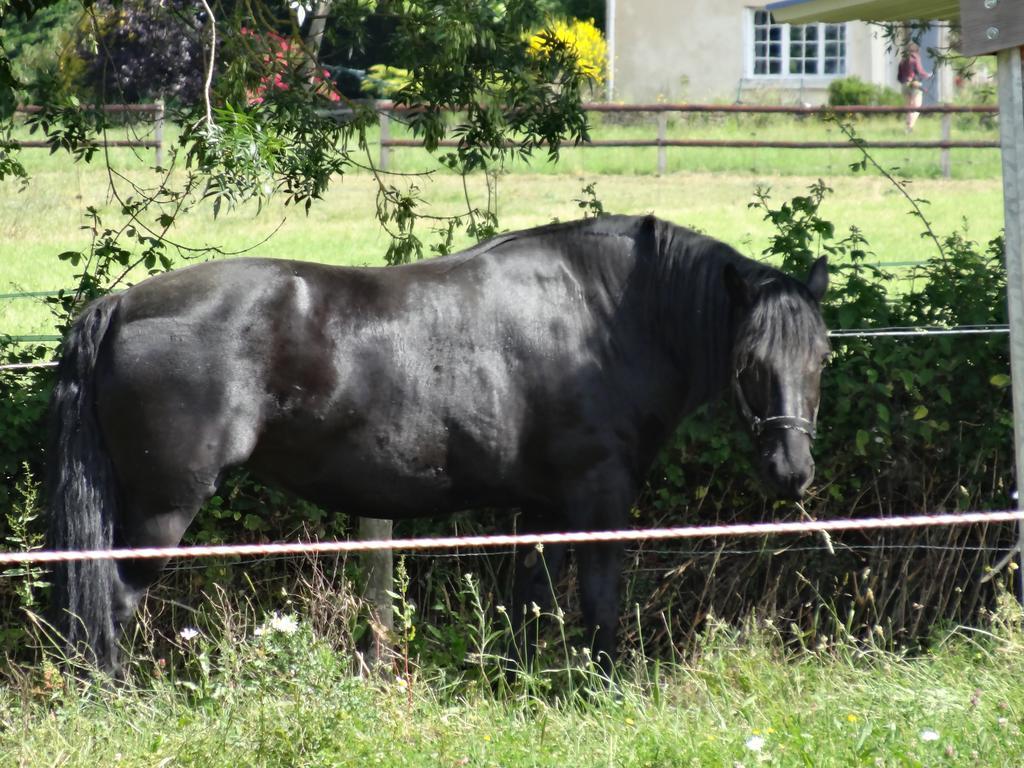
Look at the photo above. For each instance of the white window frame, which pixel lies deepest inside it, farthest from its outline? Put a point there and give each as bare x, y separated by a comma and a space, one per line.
785, 74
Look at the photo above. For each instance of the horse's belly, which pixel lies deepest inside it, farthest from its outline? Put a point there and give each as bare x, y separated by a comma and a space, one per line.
381, 470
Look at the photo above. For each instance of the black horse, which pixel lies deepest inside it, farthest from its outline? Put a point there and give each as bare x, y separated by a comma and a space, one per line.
541, 370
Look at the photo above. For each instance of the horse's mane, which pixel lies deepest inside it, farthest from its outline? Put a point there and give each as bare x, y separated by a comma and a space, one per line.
691, 293
677, 282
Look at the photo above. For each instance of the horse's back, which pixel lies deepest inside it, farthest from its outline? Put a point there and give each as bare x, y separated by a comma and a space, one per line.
370, 386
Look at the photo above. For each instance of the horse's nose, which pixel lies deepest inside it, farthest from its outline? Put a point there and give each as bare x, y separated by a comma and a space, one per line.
799, 481
790, 477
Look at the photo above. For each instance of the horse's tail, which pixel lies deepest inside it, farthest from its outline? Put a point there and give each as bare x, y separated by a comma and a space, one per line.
82, 496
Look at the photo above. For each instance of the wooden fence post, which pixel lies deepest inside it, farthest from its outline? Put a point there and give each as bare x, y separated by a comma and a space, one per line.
947, 131
662, 135
385, 135
378, 565
158, 132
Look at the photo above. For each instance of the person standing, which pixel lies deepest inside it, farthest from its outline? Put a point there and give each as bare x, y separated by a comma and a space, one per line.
911, 74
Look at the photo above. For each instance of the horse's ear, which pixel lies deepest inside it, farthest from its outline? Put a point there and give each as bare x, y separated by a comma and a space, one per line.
817, 280
738, 288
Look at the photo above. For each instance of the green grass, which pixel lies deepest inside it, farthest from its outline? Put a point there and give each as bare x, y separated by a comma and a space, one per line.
47, 217
288, 700
708, 189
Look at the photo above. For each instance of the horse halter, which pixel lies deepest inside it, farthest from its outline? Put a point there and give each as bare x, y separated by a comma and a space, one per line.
759, 425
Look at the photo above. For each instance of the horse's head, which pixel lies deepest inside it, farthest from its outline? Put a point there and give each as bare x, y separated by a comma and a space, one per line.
780, 349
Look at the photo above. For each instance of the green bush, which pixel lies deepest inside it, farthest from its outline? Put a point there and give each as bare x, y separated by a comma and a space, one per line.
23, 403
854, 92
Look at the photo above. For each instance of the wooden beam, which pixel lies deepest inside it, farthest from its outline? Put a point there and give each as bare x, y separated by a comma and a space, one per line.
988, 26
1011, 133
807, 11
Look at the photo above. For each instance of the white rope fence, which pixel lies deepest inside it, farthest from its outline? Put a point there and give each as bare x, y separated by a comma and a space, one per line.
960, 330
27, 366
503, 540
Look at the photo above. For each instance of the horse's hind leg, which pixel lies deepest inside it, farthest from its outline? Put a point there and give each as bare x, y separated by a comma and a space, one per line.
149, 520
168, 465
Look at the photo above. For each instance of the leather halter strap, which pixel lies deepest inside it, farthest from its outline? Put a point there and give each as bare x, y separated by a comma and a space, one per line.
759, 425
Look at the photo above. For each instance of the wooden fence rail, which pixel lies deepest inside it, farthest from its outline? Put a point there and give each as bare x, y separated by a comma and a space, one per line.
387, 108
156, 143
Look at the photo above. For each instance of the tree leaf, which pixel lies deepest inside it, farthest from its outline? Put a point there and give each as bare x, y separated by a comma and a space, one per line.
863, 438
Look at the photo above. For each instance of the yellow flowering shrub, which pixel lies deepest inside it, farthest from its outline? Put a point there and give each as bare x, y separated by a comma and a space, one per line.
584, 38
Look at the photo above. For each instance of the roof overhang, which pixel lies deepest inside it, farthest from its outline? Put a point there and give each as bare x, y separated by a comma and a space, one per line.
805, 11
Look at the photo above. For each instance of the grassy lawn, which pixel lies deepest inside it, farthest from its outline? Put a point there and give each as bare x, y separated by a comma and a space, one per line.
708, 189
290, 699
47, 217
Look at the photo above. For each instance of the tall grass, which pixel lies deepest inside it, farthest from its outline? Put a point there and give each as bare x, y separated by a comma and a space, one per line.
238, 687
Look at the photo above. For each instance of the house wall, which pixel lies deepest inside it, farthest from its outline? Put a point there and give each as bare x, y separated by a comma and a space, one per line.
676, 51
700, 50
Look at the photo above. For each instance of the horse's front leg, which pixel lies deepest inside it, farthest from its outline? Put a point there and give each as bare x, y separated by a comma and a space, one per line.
600, 575
537, 570
602, 504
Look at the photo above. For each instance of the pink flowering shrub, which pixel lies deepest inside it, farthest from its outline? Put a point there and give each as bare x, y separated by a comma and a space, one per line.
285, 66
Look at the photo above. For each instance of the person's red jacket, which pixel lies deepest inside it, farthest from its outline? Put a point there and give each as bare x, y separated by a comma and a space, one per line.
911, 69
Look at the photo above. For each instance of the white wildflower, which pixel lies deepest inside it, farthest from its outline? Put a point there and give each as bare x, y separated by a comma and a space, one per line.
929, 735
188, 634
286, 624
754, 743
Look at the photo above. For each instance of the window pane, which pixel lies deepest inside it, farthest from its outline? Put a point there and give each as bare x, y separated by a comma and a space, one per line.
812, 32
769, 45
831, 67
811, 67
